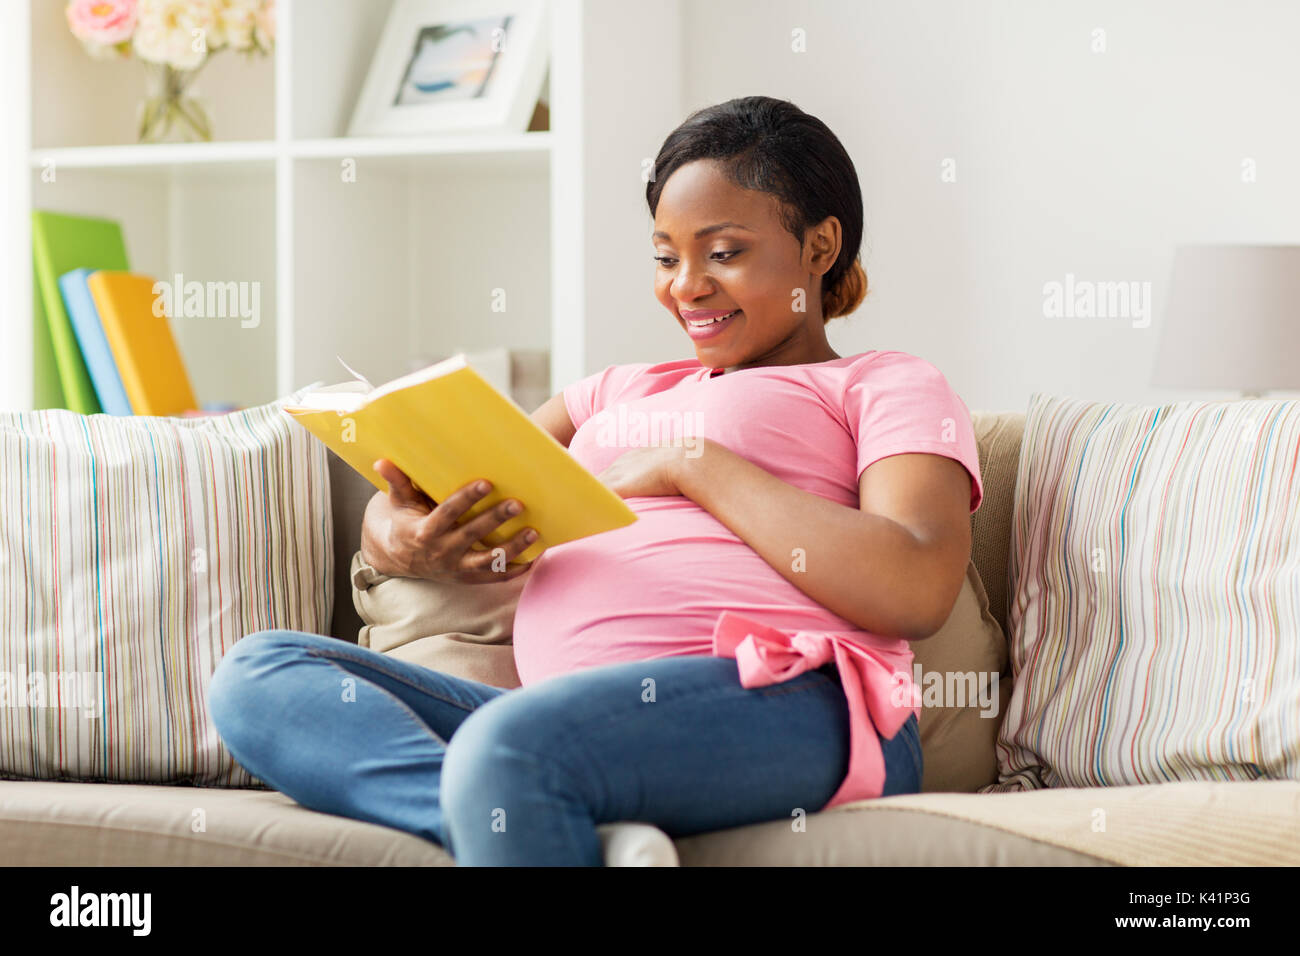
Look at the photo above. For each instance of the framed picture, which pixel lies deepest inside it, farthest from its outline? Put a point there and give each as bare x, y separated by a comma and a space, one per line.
455, 66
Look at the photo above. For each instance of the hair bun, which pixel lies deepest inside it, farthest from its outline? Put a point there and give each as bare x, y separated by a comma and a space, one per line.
847, 293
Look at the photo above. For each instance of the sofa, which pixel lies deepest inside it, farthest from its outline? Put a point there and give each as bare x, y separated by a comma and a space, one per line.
1183, 823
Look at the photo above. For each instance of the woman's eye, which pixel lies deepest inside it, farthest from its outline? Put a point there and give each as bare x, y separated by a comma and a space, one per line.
669, 260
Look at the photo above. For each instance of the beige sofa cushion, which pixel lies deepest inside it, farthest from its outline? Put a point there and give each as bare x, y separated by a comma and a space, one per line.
965, 680
1193, 823
460, 629
998, 436
45, 823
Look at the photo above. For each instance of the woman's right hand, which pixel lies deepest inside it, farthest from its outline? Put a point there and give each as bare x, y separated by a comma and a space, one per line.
406, 534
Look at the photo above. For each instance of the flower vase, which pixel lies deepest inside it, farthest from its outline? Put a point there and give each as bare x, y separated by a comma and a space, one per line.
169, 113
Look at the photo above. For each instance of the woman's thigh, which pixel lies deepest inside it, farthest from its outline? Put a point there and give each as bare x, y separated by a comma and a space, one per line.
676, 741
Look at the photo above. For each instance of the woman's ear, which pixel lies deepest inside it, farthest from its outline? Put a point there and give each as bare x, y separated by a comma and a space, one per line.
822, 245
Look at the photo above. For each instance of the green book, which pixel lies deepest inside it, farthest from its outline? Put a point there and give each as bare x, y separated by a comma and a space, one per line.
61, 243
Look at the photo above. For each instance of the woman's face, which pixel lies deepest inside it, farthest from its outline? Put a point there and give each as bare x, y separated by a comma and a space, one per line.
721, 248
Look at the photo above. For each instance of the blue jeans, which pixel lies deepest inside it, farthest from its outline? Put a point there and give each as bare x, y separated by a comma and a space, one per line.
523, 776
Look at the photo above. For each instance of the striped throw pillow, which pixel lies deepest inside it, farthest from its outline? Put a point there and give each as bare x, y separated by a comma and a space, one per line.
1155, 582
134, 552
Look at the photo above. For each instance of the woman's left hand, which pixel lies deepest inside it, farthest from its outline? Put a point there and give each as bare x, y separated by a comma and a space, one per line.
650, 471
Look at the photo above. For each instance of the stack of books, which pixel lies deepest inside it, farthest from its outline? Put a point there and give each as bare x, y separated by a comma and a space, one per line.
102, 342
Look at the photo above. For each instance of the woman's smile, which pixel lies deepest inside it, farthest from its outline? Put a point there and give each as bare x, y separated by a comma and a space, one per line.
707, 325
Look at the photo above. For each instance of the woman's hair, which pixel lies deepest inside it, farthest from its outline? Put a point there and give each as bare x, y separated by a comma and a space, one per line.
772, 146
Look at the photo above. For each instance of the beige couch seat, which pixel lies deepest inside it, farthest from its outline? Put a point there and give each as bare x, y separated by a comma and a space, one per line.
101, 824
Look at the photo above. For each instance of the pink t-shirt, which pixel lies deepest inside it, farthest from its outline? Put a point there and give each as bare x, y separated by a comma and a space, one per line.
678, 582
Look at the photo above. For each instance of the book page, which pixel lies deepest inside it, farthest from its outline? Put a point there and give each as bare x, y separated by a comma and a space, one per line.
446, 366
345, 397
351, 396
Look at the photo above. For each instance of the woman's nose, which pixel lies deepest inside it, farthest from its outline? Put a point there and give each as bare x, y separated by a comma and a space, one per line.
690, 283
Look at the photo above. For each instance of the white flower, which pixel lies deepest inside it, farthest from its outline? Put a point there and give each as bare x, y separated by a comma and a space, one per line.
265, 33
235, 22
175, 32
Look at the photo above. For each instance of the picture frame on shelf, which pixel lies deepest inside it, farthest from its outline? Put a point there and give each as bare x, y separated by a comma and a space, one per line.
455, 66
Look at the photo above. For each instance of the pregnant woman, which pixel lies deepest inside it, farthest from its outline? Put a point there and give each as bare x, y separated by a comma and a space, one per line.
741, 652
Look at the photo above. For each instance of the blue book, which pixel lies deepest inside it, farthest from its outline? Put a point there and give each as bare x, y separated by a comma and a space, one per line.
95, 349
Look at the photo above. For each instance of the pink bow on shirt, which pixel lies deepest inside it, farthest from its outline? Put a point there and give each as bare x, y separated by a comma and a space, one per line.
870, 678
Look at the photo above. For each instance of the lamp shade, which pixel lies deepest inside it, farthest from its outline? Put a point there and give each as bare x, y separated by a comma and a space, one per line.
1231, 319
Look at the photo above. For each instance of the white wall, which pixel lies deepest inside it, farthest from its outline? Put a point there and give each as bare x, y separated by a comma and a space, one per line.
1067, 161
15, 212
623, 126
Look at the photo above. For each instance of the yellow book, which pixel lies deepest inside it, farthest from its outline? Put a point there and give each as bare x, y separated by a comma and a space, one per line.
144, 351
445, 426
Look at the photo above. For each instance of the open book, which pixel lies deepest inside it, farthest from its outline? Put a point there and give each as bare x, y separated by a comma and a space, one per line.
446, 426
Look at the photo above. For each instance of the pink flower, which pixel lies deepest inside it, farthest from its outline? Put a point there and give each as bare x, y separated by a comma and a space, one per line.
101, 22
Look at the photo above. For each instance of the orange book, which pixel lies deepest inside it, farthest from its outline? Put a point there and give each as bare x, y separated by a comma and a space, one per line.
148, 361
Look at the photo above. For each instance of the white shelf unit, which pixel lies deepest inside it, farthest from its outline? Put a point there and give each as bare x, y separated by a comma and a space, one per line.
386, 251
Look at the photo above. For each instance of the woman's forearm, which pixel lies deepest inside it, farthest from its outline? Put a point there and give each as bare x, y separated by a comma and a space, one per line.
866, 568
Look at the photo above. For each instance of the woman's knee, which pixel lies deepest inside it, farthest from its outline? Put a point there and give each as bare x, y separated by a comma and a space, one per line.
244, 668
504, 746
